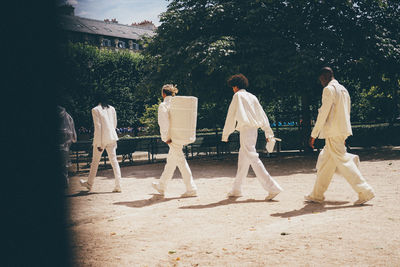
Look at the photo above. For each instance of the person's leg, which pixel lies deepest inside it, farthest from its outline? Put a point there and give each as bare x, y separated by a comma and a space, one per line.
242, 171
326, 167
183, 167
249, 148
169, 170
96, 156
347, 166
112, 156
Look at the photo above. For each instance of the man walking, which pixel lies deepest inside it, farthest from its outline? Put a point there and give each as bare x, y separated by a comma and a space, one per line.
246, 115
333, 125
175, 157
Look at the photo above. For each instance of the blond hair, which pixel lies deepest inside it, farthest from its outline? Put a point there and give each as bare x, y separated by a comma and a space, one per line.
169, 89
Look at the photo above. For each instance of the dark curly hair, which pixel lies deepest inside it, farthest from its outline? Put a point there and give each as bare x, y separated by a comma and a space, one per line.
238, 80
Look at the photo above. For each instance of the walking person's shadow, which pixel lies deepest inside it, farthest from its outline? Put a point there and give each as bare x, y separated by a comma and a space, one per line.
228, 201
146, 202
311, 207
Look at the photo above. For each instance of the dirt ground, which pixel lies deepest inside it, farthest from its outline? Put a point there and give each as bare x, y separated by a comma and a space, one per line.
139, 228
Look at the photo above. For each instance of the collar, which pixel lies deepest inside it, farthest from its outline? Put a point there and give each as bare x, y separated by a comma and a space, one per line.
167, 99
241, 90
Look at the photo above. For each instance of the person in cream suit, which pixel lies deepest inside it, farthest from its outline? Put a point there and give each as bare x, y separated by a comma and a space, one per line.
246, 115
333, 125
105, 137
175, 157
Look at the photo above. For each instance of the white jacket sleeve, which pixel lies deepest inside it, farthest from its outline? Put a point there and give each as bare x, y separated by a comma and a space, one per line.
163, 122
97, 139
115, 118
230, 121
323, 112
266, 127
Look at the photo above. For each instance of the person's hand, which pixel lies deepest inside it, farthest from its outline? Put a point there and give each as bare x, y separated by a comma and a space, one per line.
99, 149
267, 139
311, 143
169, 141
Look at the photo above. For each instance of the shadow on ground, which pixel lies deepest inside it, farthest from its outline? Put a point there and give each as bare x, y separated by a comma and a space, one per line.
313, 208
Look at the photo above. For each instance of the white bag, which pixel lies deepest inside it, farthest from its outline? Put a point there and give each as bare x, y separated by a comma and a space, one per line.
183, 119
271, 144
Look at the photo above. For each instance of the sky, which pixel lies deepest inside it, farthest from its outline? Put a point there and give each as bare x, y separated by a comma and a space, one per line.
125, 11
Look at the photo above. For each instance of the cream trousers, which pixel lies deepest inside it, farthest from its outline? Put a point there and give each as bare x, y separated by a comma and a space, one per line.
176, 158
249, 156
112, 155
334, 158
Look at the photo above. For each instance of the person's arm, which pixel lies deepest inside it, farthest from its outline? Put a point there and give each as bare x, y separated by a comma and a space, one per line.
163, 122
115, 118
72, 125
323, 112
97, 130
230, 121
266, 126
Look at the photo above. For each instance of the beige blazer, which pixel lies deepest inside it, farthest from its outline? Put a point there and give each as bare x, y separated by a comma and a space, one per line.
334, 114
105, 123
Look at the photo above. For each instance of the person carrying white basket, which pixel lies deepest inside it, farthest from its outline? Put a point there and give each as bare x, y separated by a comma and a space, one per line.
177, 128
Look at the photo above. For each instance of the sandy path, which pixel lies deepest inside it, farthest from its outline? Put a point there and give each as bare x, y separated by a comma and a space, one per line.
139, 228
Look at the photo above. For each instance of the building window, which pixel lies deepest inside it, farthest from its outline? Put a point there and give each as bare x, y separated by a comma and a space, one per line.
107, 29
94, 27
135, 46
106, 42
121, 44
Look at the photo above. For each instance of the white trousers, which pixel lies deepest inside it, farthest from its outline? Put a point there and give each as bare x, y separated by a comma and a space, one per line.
112, 156
176, 158
249, 156
334, 158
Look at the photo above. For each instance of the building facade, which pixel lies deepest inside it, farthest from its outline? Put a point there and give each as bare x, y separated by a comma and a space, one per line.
104, 34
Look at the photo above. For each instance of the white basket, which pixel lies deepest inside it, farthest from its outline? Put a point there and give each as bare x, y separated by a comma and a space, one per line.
183, 119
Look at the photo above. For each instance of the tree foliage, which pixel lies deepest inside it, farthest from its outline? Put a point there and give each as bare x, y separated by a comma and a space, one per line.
119, 74
279, 46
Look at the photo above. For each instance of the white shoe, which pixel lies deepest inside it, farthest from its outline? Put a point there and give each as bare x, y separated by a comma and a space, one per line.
235, 194
85, 184
157, 187
117, 189
191, 193
313, 199
364, 198
271, 196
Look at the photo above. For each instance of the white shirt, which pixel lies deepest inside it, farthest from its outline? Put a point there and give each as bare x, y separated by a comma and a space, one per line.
247, 112
334, 114
105, 122
163, 118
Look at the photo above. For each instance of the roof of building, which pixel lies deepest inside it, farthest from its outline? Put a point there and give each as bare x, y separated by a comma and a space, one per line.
98, 27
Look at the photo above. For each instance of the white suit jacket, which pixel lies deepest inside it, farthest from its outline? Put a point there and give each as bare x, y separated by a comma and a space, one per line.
105, 123
247, 112
163, 118
334, 114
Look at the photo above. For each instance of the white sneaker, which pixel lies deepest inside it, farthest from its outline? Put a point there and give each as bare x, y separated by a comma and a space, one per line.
191, 193
85, 184
157, 187
117, 189
313, 199
271, 196
364, 198
235, 194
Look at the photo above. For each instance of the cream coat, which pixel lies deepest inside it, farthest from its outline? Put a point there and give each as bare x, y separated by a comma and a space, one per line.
248, 113
105, 123
334, 114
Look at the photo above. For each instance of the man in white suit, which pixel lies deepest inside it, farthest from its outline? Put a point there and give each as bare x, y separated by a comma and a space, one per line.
105, 137
175, 157
246, 115
333, 125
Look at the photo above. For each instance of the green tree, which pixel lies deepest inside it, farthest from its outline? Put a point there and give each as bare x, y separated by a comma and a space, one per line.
278, 45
